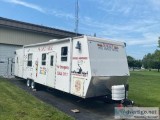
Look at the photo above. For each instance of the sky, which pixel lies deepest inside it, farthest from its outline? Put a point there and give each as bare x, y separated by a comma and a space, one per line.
136, 22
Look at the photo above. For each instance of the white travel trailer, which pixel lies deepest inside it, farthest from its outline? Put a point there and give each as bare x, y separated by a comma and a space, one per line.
83, 66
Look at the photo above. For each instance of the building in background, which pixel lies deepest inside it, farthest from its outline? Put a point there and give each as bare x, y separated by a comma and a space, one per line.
14, 34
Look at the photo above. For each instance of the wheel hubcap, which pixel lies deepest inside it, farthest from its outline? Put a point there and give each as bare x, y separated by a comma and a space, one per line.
33, 85
28, 83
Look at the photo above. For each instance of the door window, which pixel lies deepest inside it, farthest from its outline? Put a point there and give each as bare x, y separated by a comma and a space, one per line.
29, 62
51, 60
17, 59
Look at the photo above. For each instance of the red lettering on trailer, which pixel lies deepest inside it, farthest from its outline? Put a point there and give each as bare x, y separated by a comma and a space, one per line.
57, 66
49, 48
75, 58
45, 48
83, 58
80, 58
62, 73
59, 73
63, 67
36, 64
65, 74
108, 47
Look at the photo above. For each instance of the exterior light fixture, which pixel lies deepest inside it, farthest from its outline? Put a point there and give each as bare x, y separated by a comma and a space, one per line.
78, 45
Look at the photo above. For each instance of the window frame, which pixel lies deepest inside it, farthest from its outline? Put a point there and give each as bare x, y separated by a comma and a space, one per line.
64, 53
29, 62
43, 59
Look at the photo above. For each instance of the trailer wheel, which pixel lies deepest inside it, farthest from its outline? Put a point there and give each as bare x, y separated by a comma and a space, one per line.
33, 85
28, 83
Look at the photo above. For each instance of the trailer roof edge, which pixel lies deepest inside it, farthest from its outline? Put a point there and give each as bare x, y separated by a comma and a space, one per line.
91, 38
104, 40
49, 42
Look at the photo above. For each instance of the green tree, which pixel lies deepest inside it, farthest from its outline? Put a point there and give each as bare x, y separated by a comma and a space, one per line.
138, 63
130, 60
148, 62
156, 57
133, 63
159, 42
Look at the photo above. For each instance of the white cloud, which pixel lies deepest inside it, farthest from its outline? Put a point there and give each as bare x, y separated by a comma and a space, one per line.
147, 28
92, 23
25, 4
149, 39
143, 32
155, 4
116, 6
61, 14
40, 9
139, 26
140, 42
150, 45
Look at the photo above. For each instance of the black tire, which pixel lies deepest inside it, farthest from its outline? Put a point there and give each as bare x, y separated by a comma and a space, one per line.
33, 85
28, 83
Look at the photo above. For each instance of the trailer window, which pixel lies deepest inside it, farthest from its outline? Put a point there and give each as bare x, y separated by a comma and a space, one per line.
64, 53
51, 60
29, 63
44, 59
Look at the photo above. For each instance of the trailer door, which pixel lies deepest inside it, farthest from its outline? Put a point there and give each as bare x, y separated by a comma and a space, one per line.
51, 69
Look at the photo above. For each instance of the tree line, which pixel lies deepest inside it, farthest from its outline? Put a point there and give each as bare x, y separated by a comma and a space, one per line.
149, 61
133, 63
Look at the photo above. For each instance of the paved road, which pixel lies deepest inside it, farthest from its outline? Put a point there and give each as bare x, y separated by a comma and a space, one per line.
89, 109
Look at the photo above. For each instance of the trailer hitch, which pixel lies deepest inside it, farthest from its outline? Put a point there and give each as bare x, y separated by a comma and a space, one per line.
127, 103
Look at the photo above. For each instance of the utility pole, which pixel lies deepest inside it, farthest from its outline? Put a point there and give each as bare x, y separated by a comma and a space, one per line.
76, 16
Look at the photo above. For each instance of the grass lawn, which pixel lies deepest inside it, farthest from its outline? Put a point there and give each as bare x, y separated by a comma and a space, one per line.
16, 104
145, 88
